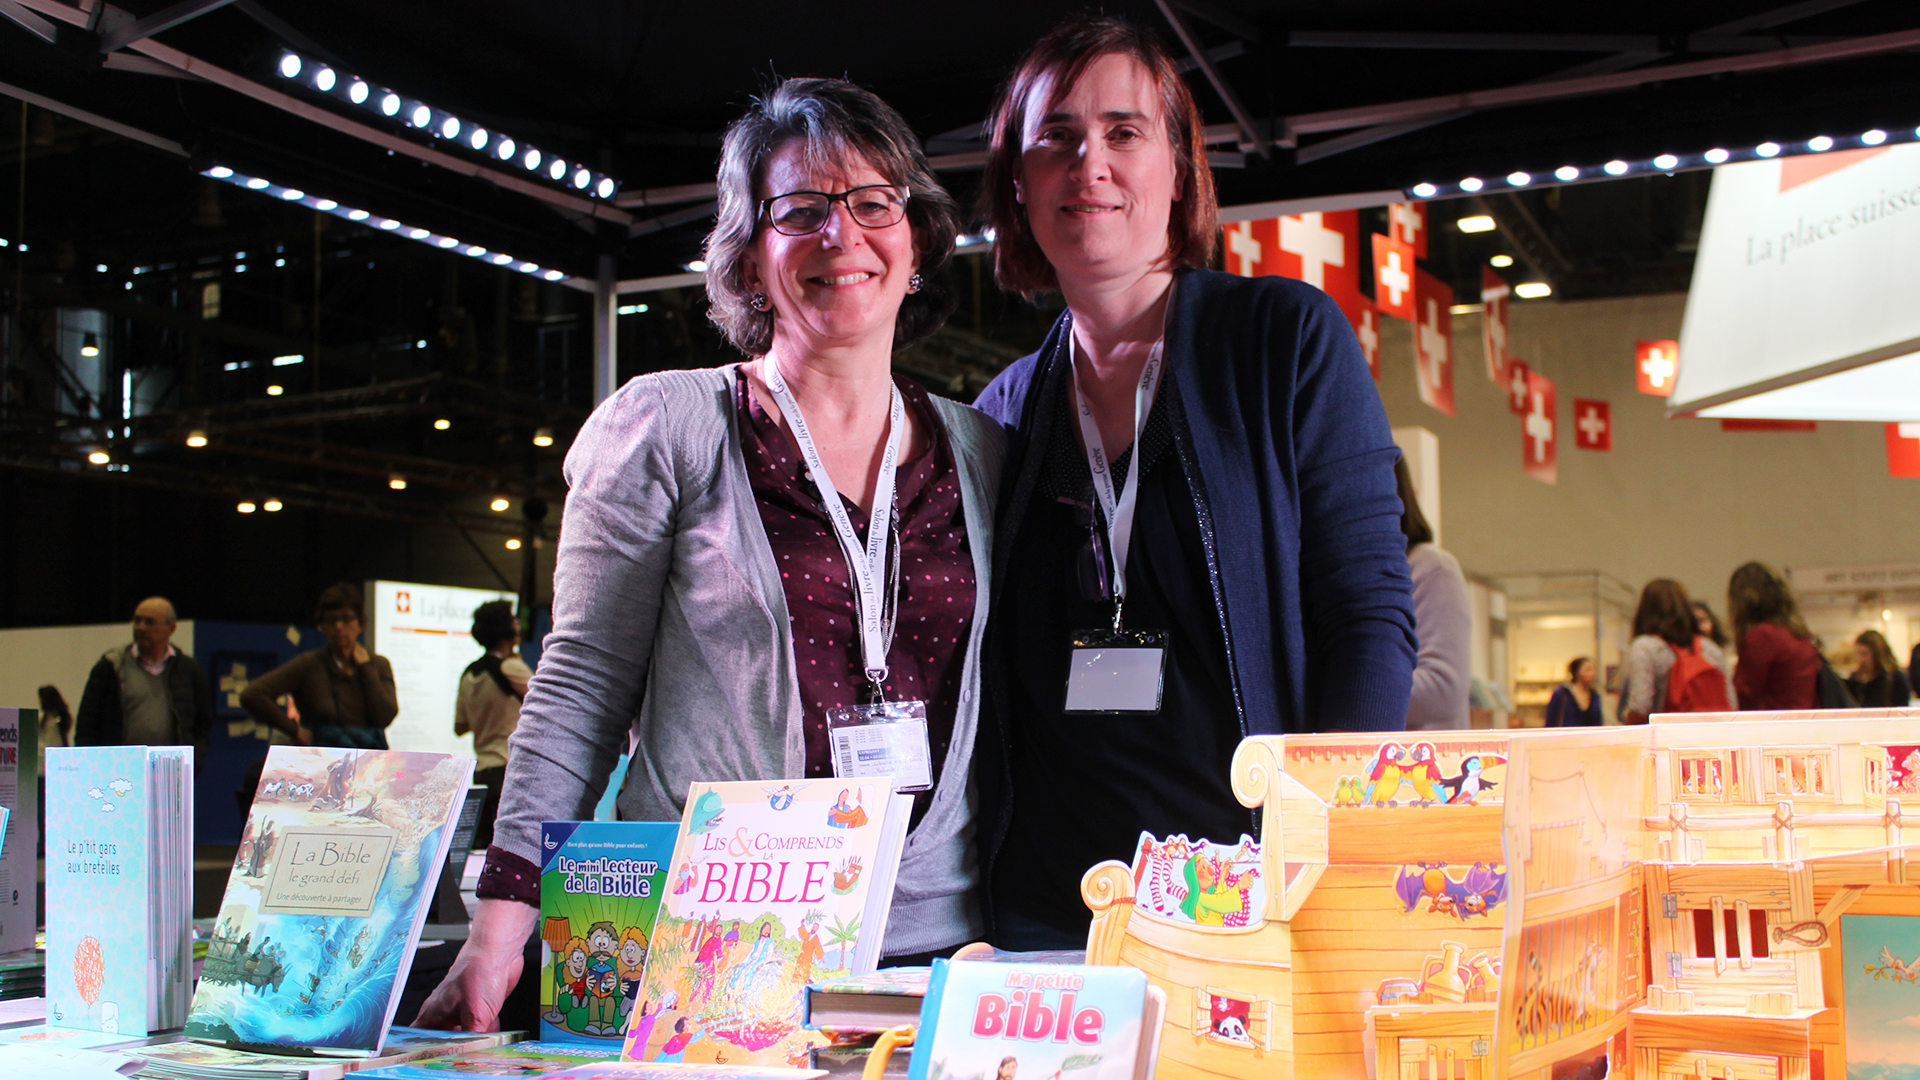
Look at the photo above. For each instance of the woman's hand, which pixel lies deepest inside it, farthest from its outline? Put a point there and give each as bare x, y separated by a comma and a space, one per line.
488, 966
360, 655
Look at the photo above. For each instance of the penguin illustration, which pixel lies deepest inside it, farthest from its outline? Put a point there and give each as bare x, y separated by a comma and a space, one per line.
1469, 785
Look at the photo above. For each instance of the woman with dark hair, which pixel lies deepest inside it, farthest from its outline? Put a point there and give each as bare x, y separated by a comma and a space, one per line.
1663, 630
1779, 666
1442, 616
345, 695
1575, 703
1200, 473
1709, 624
1878, 682
731, 564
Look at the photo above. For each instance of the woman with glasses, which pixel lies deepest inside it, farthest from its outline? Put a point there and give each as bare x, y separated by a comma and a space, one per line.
344, 694
1200, 536
724, 528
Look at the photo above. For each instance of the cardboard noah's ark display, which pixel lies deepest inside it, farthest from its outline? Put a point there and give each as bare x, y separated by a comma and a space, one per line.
1722, 897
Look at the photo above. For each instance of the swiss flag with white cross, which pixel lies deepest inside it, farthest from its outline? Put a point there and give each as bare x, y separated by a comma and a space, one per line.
1366, 327
1408, 222
1592, 424
1903, 449
1393, 277
1494, 293
1251, 246
1540, 431
1655, 363
1517, 372
1433, 340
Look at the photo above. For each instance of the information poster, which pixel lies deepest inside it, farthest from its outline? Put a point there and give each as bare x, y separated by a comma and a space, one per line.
426, 633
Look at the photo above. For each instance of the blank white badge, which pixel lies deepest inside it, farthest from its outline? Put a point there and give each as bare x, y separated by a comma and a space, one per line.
1115, 679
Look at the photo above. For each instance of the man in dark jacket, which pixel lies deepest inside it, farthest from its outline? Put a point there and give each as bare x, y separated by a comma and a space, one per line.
147, 692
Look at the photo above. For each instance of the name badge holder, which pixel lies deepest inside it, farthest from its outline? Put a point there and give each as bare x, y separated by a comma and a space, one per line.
881, 737
1114, 670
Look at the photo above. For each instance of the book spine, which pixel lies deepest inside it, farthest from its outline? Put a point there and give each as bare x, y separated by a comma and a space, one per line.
918, 1064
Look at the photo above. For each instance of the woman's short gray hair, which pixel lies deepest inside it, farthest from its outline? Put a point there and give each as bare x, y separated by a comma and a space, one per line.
838, 126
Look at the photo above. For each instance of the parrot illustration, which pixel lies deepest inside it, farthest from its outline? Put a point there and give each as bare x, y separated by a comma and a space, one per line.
1424, 774
1343, 794
1383, 778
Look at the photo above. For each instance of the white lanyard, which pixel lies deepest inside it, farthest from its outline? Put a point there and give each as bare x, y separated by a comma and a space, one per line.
1117, 506
869, 566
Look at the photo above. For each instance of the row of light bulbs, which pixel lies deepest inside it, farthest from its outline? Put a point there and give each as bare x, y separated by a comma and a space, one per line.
444, 125
387, 224
1663, 163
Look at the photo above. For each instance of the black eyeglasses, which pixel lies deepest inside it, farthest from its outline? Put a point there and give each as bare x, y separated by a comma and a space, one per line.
1092, 566
799, 213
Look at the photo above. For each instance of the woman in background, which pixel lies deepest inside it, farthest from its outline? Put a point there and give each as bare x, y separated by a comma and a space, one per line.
1878, 683
1575, 703
1709, 625
1779, 667
1663, 629
1442, 617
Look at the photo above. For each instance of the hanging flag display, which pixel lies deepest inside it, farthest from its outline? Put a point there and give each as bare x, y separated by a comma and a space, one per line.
1494, 292
1250, 247
1768, 425
1517, 372
1433, 340
1366, 327
1592, 424
1323, 250
1655, 363
1903, 449
1393, 277
1539, 433
1408, 222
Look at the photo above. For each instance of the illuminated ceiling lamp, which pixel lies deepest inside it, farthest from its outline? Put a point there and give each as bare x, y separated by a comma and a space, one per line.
1848, 345
89, 344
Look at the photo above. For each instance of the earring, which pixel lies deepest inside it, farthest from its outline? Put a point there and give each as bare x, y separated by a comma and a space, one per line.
915, 284
758, 302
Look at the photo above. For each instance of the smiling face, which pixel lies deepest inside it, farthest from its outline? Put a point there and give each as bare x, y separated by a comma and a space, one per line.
1097, 173
841, 285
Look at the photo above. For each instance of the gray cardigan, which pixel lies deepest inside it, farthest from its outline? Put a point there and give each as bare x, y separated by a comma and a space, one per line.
671, 635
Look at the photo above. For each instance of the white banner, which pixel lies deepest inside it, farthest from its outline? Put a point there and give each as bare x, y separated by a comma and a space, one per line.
426, 632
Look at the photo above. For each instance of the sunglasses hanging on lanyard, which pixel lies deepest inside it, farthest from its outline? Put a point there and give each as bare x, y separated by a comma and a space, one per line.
881, 737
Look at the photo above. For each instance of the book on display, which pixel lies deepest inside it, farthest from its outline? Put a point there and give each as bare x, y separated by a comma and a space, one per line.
600, 886
997, 1021
518, 1061
867, 1004
180, 1058
338, 863
119, 887
19, 861
774, 885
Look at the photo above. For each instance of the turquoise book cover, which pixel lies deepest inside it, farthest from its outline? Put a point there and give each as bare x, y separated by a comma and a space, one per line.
97, 888
993, 1021
600, 886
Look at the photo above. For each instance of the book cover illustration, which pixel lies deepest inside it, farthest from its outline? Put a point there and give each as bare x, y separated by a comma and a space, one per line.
1199, 882
767, 894
987, 1021
852, 1010
97, 889
516, 1062
890, 982
337, 860
600, 886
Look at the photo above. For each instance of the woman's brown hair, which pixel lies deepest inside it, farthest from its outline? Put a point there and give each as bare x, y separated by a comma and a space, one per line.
1758, 594
1665, 612
1883, 659
1056, 61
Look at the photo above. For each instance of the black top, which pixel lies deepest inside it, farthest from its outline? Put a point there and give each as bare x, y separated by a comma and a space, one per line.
1086, 786
1563, 710
1890, 690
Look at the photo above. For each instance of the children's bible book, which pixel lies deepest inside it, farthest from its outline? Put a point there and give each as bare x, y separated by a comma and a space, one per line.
119, 887
600, 886
774, 885
989, 1021
337, 865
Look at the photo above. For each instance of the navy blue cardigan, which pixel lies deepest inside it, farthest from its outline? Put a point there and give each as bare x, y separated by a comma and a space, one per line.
1284, 440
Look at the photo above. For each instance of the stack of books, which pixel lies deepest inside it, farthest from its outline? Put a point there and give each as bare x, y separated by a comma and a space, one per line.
23, 974
178, 1058
851, 1012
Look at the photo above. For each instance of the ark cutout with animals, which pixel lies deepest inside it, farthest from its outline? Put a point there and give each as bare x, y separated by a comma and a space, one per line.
1724, 895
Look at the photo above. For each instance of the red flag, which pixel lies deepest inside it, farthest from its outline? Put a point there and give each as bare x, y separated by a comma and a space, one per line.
1517, 372
1539, 431
1408, 222
1655, 363
1366, 327
1768, 425
1309, 248
1433, 340
1342, 279
1393, 277
1903, 449
1592, 424
1494, 293
1250, 248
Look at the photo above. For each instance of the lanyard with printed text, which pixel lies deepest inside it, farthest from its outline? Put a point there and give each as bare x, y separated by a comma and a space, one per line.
1117, 506
868, 566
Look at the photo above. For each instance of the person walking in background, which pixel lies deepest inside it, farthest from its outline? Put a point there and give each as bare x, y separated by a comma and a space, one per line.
488, 704
1709, 625
1779, 667
345, 695
1666, 640
147, 692
1878, 682
1575, 703
1442, 618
